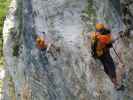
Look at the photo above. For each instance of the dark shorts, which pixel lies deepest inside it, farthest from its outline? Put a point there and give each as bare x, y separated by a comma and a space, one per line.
109, 66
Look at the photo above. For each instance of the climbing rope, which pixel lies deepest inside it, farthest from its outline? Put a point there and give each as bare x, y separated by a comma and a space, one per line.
117, 54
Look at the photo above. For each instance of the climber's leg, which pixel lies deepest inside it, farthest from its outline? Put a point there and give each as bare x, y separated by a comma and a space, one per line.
109, 67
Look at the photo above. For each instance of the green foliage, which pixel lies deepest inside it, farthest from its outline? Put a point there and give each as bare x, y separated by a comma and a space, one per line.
89, 9
3, 11
1, 62
1, 82
89, 15
11, 87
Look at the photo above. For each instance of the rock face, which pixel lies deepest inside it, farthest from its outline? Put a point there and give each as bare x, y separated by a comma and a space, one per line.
67, 71
127, 16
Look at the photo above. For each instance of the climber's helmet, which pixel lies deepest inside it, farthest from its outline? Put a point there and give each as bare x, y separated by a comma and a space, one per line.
99, 26
39, 40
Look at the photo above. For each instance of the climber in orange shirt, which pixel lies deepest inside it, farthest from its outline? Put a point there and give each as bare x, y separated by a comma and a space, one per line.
101, 42
41, 43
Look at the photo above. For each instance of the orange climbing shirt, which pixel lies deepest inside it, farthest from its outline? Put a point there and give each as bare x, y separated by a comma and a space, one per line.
40, 43
103, 40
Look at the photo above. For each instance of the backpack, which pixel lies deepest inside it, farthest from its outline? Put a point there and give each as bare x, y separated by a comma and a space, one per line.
94, 43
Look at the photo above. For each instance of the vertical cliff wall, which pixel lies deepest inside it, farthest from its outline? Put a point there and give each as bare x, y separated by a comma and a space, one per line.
68, 71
